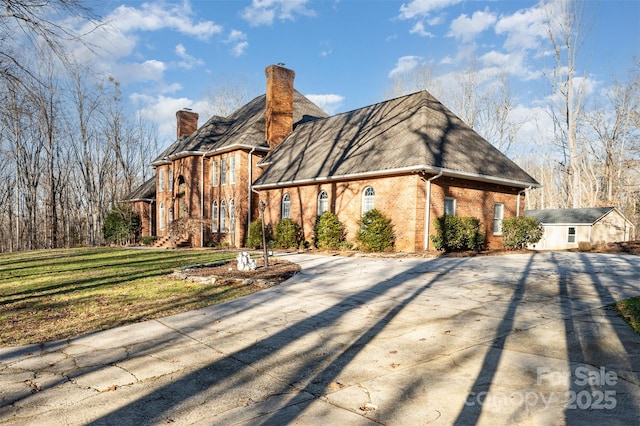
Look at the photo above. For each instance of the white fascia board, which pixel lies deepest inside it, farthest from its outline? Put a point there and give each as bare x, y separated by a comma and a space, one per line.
402, 170
222, 150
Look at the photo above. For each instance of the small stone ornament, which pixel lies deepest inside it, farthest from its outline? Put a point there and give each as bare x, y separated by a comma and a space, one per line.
245, 263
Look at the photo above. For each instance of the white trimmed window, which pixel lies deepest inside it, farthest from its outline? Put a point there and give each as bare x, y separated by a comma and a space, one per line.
223, 216
450, 206
323, 202
223, 171
215, 173
232, 213
368, 199
232, 169
161, 219
498, 215
286, 207
571, 234
161, 180
214, 216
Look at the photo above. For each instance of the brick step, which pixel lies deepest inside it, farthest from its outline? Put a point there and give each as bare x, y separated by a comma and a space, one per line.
165, 242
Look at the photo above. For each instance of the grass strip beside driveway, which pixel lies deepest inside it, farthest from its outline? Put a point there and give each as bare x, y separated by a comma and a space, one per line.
57, 294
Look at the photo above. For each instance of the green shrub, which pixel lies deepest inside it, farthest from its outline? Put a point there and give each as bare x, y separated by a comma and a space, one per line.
254, 239
287, 234
328, 231
120, 225
148, 240
457, 233
518, 232
376, 232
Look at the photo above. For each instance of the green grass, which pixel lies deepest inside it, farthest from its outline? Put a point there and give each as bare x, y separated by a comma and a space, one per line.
630, 310
56, 294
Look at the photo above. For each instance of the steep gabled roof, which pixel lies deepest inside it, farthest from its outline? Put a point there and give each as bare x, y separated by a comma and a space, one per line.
145, 192
583, 216
410, 133
245, 128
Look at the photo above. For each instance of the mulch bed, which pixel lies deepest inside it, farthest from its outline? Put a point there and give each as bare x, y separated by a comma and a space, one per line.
278, 271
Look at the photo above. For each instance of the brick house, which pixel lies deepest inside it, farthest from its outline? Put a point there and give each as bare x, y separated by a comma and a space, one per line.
409, 157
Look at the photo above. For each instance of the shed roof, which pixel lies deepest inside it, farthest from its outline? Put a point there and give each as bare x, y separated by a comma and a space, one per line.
583, 216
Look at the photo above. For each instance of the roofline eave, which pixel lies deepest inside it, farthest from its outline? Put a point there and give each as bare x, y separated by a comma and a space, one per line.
401, 170
222, 150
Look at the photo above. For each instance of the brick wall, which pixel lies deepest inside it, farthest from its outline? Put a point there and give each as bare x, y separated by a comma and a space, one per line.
146, 210
402, 199
475, 199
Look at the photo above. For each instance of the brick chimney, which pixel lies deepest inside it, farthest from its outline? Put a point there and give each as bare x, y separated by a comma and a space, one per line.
279, 109
187, 122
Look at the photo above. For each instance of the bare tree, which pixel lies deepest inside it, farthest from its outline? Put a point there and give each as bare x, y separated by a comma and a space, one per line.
225, 97
566, 34
31, 26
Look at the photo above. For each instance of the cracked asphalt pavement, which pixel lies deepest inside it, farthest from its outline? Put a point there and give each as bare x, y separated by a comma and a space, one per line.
515, 339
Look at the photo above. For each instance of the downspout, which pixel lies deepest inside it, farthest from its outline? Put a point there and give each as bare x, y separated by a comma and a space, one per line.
202, 200
518, 201
250, 187
427, 214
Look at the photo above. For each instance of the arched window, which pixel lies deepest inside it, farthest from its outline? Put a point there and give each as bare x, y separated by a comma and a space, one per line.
286, 206
368, 199
323, 202
223, 216
214, 216
161, 216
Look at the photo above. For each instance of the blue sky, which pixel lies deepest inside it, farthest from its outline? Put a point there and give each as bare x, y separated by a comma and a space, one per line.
345, 53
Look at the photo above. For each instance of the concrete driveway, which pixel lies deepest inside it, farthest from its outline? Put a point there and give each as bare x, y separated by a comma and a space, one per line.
516, 339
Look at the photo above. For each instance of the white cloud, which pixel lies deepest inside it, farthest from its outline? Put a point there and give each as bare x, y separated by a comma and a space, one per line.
188, 61
404, 65
465, 28
116, 37
524, 29
239, 42
421, 8
329, 102
264, 12
158, 15
150, 70
418, 28
161, 111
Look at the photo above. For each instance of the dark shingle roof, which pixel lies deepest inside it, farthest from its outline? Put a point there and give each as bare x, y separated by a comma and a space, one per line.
412, 132
569, 216
146, 191
245, 127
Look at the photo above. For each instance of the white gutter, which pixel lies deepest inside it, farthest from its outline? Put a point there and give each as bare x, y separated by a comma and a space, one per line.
427, 214
207, 153
402, 170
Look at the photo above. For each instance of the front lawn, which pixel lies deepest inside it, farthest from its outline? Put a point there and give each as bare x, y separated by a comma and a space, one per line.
56, 294
630, 310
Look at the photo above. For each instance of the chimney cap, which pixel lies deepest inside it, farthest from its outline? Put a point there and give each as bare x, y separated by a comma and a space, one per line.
280, 64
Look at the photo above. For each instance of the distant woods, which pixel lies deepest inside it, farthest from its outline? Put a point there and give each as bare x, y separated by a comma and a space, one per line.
582, 145
69, 151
